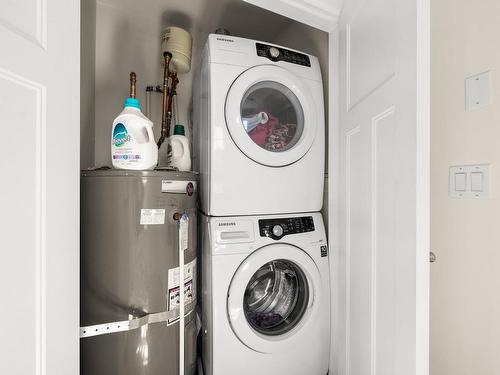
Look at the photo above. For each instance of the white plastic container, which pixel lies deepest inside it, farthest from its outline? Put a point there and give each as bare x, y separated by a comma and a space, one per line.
179, 153
133, 144
178, 42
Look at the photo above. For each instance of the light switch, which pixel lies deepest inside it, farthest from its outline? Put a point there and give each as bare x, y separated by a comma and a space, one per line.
460, 181
478, 91
469, 181
476, 181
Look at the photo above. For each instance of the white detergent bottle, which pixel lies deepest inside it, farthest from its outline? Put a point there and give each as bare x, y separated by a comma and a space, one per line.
132, 141
179, 154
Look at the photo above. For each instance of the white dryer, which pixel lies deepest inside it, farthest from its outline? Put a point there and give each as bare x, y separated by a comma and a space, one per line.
259, 129
265, 295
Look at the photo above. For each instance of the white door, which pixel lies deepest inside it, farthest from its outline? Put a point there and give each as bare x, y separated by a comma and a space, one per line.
39, 189
380, 183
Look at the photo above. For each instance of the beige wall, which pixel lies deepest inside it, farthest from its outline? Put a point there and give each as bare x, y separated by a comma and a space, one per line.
465, 234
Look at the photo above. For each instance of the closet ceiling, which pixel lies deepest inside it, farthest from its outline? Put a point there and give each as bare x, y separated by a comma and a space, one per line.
201, 17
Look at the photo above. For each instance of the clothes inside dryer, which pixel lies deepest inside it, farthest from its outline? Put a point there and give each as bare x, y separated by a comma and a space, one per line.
276, 297
272, 116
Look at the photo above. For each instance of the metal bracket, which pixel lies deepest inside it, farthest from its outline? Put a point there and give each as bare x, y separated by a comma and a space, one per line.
129, 325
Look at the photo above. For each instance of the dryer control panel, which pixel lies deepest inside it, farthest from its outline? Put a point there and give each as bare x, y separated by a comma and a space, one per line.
280, 54
280, 227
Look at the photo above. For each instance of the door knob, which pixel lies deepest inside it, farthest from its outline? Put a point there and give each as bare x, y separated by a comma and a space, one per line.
432, 257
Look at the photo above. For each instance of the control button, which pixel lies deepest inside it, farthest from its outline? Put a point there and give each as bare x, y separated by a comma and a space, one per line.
278, 230
274, 52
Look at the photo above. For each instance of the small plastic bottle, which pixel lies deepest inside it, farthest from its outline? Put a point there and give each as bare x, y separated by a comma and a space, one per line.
179, 154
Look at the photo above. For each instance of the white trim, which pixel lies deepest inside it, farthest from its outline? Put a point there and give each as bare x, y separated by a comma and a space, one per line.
374, 249
42, 217
40, 214
374, 208
42, 23
422, 223
348, 67
348, 136
333, 192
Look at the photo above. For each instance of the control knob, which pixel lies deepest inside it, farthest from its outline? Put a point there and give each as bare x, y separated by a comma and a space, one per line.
274, 52
277, 230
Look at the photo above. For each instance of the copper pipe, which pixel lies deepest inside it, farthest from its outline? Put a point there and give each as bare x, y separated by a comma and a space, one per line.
173, 92
166, 94
132, 85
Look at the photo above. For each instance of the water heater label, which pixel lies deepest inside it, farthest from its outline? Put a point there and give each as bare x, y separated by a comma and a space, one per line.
152, 216
178, 187
173, 288
189, 272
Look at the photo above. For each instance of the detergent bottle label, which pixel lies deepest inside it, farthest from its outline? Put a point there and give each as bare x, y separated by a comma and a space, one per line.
120, 135
122, 145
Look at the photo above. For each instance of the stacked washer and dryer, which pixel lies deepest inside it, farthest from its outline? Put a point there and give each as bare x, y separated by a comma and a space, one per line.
258, 111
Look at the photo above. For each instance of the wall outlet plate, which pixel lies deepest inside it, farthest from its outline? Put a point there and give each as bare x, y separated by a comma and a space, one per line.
478, 91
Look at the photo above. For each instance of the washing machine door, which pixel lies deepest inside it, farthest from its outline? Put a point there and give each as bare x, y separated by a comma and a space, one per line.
270, 115
273, 298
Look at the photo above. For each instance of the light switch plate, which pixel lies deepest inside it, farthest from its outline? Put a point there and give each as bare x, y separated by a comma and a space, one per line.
478, 90
469, 181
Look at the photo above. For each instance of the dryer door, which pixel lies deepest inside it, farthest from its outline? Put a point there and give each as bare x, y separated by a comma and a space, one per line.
269, 115
273, 298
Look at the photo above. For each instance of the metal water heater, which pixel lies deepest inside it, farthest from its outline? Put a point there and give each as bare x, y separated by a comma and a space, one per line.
130, 272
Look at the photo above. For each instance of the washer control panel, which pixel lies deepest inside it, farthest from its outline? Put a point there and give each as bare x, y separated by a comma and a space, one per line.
280, 54
280, 227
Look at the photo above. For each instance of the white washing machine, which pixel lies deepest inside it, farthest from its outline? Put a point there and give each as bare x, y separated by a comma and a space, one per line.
265, 295
259, 129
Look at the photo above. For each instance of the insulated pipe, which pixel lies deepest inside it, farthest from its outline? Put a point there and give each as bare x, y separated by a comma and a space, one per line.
166, 94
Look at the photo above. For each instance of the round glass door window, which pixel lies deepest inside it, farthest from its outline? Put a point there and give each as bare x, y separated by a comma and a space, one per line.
276, 297
272, 116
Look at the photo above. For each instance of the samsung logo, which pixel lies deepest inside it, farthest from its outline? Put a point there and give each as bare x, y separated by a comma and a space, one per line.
229, 224
225, 40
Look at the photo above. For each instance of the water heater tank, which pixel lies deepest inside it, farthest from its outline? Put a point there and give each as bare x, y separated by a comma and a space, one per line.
178, 42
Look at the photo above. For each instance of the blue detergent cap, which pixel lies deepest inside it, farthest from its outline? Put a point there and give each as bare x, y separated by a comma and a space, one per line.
131, 102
